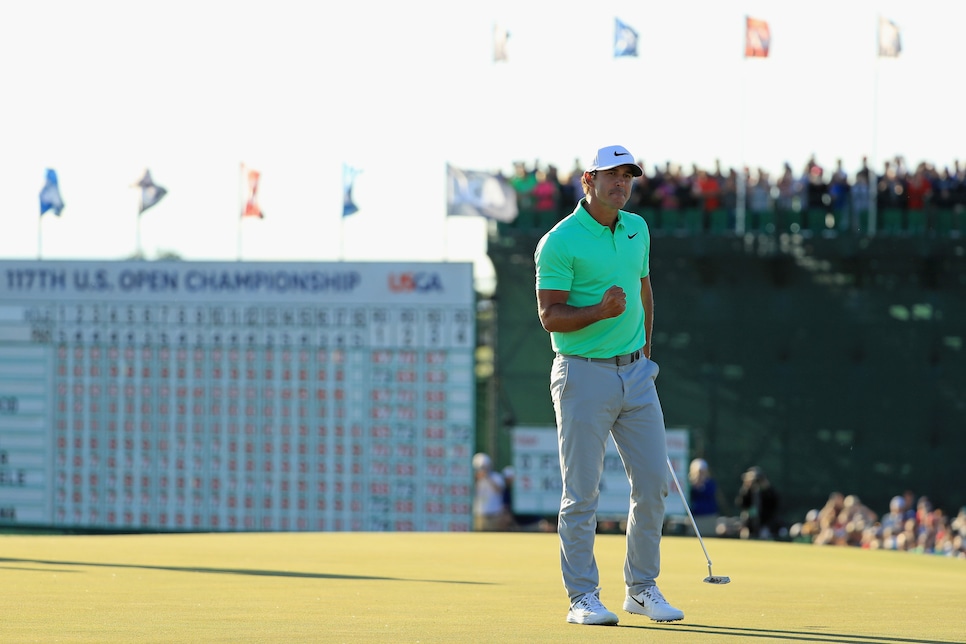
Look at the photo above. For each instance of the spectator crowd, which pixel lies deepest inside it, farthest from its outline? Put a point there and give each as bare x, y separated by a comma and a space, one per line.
910, 525
899, 200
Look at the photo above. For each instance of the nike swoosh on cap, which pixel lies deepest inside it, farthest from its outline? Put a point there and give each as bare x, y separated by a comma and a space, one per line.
620, 154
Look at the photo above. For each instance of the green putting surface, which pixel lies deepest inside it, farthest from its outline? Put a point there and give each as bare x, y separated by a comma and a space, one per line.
489, 587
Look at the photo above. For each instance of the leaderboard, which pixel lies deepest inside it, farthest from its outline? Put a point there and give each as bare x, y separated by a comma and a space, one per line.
237, 396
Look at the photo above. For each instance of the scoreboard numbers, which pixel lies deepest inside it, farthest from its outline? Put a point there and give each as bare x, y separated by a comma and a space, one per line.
237, 396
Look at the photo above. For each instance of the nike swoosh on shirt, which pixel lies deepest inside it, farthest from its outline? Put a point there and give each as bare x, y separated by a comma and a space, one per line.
632, 236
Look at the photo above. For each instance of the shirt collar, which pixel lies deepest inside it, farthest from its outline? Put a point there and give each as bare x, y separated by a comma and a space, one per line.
592, 225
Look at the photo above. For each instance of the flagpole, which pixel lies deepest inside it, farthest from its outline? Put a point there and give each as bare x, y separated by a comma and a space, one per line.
445, 214
873, 176
40, 236
757, 44
741, 192
445, 237
238, 213
137, 223
137, 249
150, 195
342, 237
888, 45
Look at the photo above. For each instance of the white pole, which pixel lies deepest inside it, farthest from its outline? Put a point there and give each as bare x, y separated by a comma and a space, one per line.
740, 196
446, 218
137, 250
240, 211
873, 162
741, 199
342, 234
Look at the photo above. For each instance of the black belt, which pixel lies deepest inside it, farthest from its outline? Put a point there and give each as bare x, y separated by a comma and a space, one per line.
620, 361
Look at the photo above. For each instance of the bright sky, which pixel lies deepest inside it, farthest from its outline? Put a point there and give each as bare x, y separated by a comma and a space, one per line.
101, 89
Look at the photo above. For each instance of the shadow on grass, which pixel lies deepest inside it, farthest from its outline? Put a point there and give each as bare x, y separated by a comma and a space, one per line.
229, 571
25, 568
818, 635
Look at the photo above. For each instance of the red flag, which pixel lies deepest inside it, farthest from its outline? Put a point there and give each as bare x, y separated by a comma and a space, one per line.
757, 38
251, 208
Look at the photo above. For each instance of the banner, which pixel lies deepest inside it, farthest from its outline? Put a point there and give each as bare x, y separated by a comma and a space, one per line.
757, 38
251, 207
890, 44
500, 40
538, 483
625, 40
151, 193
349, 174
480, 194
228, 396
50, 199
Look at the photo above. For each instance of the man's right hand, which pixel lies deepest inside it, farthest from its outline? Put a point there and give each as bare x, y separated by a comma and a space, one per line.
614, 302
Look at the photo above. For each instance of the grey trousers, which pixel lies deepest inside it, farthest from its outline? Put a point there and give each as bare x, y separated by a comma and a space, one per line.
592, 400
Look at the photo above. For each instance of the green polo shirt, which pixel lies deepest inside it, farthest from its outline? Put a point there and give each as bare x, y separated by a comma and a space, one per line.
581, 256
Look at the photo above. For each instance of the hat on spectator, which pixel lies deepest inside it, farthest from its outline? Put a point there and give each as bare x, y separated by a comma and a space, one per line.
482, 461
753, 473
614, 156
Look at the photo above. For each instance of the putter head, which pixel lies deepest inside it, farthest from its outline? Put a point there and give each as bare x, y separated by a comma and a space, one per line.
717, 579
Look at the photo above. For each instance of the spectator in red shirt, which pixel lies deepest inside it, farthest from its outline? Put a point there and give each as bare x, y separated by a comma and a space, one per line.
708, 191
918, 193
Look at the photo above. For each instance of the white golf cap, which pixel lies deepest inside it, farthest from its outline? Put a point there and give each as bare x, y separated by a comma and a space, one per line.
613, 156
482, 461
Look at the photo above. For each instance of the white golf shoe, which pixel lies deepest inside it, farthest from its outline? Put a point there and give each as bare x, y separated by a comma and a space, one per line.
651, 602
589, 610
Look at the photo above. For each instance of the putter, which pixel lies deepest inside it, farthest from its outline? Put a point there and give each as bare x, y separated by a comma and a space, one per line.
711, 578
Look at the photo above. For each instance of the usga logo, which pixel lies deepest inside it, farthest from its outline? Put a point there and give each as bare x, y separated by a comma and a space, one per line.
415, 282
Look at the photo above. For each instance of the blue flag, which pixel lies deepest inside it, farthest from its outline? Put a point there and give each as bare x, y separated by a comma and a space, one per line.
625, 40
151, 193
50, 198
348, 183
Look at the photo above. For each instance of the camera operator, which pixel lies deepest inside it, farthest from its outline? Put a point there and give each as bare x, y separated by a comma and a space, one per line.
757, 502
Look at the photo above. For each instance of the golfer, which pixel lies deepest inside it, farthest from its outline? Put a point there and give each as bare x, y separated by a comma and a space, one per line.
594, 297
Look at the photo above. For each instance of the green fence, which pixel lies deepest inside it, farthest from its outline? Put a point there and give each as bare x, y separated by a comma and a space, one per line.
834, 364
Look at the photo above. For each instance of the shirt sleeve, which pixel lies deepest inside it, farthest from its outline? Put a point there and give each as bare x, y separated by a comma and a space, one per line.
646, 260
555, 268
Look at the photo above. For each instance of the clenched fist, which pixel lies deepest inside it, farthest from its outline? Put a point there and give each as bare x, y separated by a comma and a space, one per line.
613, 303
